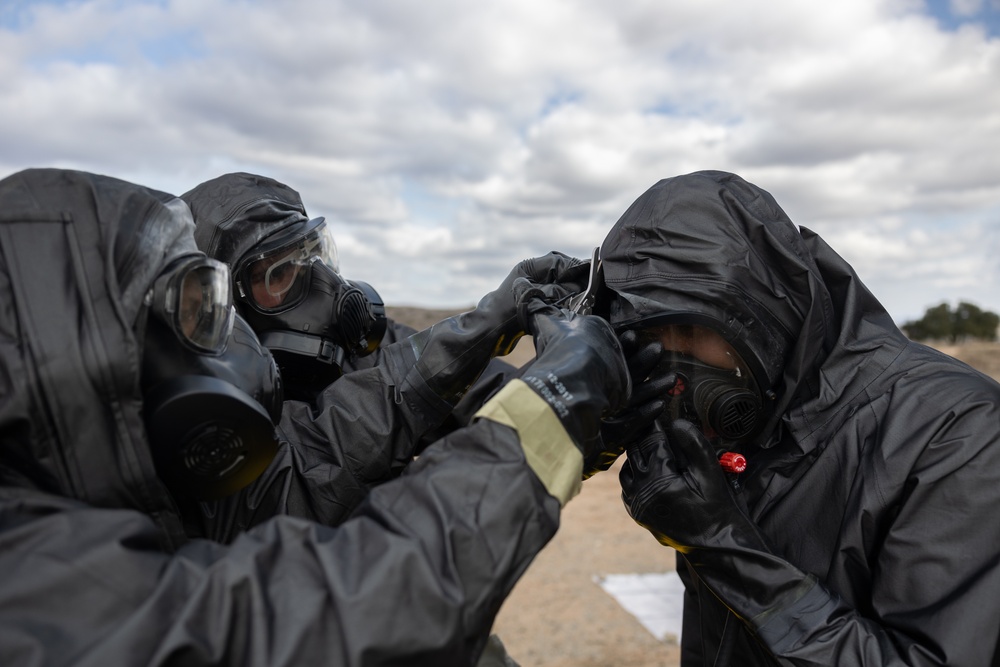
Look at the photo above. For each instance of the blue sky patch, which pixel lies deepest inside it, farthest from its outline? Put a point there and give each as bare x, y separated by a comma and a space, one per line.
950, 15
425, 206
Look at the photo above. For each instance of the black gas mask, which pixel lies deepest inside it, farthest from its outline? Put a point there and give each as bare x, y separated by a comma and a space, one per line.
724, 403
212, 393
716, 388
303, 310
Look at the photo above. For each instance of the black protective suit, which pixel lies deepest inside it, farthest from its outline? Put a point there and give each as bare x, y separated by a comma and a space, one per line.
875, 485
98, 568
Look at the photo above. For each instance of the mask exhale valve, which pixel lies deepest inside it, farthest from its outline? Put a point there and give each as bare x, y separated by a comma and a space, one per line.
732, 412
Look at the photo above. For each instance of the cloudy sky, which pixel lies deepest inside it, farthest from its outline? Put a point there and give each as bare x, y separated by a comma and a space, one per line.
447, 139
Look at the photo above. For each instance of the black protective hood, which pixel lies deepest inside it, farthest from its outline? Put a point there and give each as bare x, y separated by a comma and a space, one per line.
235, 212
713, 248
78, 253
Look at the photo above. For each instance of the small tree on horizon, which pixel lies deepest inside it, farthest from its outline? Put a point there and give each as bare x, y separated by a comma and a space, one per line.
964, 322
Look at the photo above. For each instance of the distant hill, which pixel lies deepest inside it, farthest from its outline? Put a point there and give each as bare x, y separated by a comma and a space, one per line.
421, 318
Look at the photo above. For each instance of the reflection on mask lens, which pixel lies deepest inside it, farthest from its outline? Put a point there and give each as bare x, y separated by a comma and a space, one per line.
195, 299
189, 313
204, 313
281, 275
275, 279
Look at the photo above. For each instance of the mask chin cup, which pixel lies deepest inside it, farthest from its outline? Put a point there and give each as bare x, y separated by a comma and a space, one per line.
732, 412
209, 438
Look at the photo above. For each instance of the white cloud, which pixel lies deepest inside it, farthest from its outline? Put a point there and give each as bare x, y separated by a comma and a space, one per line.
965, 7
448, 140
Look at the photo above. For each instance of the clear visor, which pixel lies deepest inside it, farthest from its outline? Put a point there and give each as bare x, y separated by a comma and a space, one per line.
276, 279
699, 342
196, 300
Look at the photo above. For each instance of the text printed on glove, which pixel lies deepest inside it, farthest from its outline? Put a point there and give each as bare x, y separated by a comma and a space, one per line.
545, 389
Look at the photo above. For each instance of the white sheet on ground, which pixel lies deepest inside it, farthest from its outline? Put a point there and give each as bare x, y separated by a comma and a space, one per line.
656, 600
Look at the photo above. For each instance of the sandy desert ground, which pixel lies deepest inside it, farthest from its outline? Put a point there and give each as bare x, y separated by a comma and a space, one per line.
558, 615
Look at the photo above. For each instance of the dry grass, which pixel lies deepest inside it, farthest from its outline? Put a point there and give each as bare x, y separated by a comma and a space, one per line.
981, 355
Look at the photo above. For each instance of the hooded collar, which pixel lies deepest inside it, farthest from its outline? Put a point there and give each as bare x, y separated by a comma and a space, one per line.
711, 244
235, 212
78, 252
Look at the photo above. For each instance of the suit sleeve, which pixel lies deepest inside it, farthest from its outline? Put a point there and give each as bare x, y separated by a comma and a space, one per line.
415, 576
362, 431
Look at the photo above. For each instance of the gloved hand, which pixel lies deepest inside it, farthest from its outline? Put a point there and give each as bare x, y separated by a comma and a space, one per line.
553, 277
579, 369
644, 406
451, 355
673, 486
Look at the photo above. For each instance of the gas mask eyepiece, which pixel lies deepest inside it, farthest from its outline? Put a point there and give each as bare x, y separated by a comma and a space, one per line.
195, 300
274, 276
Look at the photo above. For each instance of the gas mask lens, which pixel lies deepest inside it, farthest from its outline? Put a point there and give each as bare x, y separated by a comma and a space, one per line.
195, 299
276, 278
279, 276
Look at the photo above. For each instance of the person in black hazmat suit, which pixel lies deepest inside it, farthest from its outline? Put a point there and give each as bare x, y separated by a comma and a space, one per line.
129, 384
863, 530
288, 286
339, 442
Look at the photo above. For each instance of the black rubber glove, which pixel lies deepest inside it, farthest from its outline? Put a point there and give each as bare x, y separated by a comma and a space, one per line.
673, 486
644, 406
451, 355
579, 369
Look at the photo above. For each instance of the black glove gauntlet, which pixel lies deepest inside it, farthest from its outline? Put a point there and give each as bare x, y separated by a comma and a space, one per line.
579, 370
673, 486
451, 355
644, 406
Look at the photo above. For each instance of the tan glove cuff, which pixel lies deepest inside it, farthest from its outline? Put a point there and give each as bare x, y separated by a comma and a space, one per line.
547, 447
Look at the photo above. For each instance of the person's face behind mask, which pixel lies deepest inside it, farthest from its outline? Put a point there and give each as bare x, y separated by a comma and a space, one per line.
715, 388
212, 393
